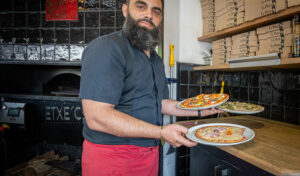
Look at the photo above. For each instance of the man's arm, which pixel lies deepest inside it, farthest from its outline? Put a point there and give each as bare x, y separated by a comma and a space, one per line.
103, 117
169, 107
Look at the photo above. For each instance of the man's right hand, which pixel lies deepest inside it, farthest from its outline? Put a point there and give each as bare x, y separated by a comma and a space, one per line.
174, 134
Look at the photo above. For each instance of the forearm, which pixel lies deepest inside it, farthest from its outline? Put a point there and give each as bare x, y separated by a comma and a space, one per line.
169, 107
109, 120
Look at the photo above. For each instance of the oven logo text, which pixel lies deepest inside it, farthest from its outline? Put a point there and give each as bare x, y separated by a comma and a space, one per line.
63, 113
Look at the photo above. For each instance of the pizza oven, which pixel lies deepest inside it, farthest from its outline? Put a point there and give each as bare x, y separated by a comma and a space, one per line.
40, 105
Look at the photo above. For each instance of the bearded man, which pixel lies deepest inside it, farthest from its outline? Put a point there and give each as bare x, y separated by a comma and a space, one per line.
124, 93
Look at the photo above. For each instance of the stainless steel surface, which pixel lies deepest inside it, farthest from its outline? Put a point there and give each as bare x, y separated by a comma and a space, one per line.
12, 112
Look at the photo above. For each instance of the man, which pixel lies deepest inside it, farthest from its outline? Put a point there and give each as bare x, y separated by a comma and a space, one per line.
124, 92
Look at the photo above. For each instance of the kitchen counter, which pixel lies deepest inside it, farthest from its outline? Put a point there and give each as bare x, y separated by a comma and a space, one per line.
275, 148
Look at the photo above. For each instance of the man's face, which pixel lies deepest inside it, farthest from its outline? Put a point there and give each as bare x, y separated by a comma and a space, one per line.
143, 18
146, 12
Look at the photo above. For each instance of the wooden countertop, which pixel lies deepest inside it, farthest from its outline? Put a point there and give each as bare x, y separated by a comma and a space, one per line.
275, 148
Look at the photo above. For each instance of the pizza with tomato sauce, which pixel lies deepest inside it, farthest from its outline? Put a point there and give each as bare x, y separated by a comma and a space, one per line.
203, 101
221, 134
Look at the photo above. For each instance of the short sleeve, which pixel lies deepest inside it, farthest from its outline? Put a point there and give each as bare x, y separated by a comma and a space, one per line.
102, 71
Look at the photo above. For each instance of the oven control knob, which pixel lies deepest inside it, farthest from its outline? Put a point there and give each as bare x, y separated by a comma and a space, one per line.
4, 107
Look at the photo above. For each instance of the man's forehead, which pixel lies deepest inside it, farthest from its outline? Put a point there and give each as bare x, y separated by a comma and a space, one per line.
152, 3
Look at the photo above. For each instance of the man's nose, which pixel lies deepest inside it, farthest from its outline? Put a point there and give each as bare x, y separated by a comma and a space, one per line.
148, 14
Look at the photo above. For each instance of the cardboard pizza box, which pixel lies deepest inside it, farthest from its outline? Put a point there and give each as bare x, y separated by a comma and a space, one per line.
293, 3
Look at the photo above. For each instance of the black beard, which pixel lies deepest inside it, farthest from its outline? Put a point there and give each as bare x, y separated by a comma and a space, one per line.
140, 37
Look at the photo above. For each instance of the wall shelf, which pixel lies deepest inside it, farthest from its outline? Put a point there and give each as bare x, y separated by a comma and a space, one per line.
285, 63
251, 25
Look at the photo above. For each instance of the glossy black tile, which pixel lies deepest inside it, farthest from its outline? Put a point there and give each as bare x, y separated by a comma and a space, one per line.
6, 20
234, 93
20, 5
184, 77
183, 91
277, 113
46, 23
266, 113
34, 19
20, 35
33, 35
292, 98
79, 22
292, 115
6, 5
244, 94
6, 35
235, 80
217, 89
62, 24
228, 79
91, 34
265, 79
47, 36
206, 78
119, 4
34, 5
62, 36
193, 91
254, 94
244, 79
195, 77
92, 19
278, 97
20, 20
107, 19
266, 95
254, 79
119, 19
206, 89
76, 36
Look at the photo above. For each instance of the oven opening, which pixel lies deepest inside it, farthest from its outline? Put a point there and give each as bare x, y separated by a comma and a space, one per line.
66, 84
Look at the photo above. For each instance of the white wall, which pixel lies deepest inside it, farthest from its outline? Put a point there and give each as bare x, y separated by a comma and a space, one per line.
182, 27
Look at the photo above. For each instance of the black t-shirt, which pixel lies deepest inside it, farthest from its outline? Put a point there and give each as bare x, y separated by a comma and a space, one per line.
105, 78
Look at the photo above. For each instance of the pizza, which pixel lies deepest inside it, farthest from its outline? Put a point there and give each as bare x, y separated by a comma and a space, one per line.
204, 100
241, 106
221, 134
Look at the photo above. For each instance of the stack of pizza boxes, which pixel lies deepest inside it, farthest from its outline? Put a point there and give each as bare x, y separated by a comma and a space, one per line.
221, 51
276, 38
293, 3
225, 14
258, 8
244, 44
208, 8
240, 17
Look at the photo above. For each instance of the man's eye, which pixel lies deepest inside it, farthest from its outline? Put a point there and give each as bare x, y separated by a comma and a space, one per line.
140, 7
156, 12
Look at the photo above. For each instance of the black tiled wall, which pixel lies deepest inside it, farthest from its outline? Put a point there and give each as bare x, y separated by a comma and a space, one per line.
277, 90
23, 23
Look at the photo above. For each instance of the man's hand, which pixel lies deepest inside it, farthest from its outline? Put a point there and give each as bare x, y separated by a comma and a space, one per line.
174, 134
208, 112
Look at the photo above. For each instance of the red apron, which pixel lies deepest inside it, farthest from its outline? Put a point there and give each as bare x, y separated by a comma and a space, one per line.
119, 160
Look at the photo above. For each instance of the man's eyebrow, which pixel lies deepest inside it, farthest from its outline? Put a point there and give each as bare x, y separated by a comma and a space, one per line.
144, 3
157, 8
140, 2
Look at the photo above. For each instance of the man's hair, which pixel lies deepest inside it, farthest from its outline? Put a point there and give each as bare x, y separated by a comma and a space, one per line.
127, 2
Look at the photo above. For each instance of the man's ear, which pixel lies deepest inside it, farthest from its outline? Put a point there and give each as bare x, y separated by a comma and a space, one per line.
125, 10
